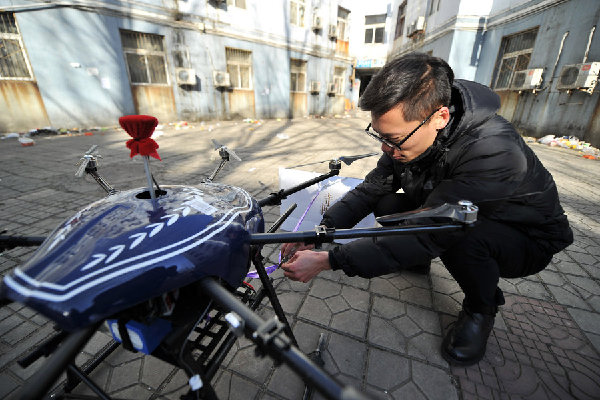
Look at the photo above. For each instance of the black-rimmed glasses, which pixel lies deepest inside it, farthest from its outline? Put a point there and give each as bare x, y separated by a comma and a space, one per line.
398, 145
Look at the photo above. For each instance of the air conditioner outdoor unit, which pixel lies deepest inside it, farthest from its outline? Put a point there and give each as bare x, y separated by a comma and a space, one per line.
333, 31
579, 76
331, 88
417, 26
527, 79
315, 86
185, 76
221, 79
316, 24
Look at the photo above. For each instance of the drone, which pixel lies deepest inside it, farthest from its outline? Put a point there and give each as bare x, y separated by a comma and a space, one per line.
165, 269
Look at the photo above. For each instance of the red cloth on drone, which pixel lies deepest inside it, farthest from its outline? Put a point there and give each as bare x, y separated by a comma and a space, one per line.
140, 128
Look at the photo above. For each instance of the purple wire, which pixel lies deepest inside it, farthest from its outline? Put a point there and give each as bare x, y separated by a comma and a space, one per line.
270, 269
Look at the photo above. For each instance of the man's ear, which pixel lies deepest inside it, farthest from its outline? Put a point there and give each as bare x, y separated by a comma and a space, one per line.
441, 118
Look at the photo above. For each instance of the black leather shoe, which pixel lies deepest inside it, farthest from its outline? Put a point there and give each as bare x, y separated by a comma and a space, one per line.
466, 340
421, 269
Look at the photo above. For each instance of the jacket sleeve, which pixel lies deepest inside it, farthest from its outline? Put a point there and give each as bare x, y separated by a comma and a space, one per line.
360, 201
490, 168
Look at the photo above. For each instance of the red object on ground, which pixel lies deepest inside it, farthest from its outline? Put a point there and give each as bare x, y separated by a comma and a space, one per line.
88, 134
140, 128
589, 157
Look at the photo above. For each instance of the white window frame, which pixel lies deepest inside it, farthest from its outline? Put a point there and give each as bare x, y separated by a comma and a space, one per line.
234, 68
147, 53
237, 3
373, 28
339, 79
298, 10
16, 36
342, 23
298, 69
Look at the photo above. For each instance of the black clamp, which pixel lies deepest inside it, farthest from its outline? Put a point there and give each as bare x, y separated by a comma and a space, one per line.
270, 334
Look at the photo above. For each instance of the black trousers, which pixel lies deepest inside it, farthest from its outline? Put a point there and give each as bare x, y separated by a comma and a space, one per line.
488, 251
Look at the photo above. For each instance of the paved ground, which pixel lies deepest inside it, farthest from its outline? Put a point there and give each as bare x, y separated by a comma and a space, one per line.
382, 335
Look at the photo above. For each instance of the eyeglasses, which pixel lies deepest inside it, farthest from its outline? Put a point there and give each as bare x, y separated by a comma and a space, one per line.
398, 145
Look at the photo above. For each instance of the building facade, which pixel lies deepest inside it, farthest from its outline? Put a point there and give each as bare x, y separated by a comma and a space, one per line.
84, 63
540, 56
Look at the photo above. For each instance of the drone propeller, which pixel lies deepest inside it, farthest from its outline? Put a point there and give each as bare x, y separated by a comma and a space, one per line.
345, 159
219, 146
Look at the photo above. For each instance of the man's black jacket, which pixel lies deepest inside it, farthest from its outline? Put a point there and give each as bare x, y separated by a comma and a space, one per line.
478, 157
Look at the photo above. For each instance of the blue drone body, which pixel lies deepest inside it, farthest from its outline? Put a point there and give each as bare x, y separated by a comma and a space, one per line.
124, 249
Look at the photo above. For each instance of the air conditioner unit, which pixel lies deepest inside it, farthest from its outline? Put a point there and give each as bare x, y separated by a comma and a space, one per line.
579, 76
333, 31
316, 24
221, 79
331, 88
185, 76
527, 79
315, 86
417, 26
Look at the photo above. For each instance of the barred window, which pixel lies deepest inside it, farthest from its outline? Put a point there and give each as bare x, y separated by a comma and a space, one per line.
145, 55
297, 75
239, 67
13, 62
514, 55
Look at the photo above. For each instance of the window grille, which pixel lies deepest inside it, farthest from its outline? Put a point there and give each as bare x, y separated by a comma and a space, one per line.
297, 12
297, 75
338, 79
239, 67
375, 28
13, 61
145, 56
514, 55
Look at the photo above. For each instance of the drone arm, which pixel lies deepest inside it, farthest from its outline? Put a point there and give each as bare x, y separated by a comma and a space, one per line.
274, 342
9, 242
464, 212
216, 171
323, 234
275, 198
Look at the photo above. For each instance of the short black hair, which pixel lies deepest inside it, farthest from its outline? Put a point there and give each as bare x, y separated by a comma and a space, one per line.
422, 83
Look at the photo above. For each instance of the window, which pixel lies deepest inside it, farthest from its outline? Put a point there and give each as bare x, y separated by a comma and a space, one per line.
13, 64
375, 28
400, 21
342, 23
237, 3
145, 56
338, 79
435, 6
239, 67
514, 55
297, 11
297, 75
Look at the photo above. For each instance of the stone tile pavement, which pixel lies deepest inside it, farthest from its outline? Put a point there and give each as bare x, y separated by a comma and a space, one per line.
382, 335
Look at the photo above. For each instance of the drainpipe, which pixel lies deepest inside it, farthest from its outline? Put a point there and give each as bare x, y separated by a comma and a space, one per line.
562, 43
587, 48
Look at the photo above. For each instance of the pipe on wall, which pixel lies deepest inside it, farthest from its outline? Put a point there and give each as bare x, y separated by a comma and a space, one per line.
589, 43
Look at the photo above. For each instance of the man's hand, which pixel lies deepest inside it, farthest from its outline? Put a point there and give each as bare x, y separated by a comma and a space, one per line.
305, 265
288, 249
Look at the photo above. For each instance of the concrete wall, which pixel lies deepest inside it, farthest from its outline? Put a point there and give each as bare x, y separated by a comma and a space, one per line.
551, 111
79, 66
